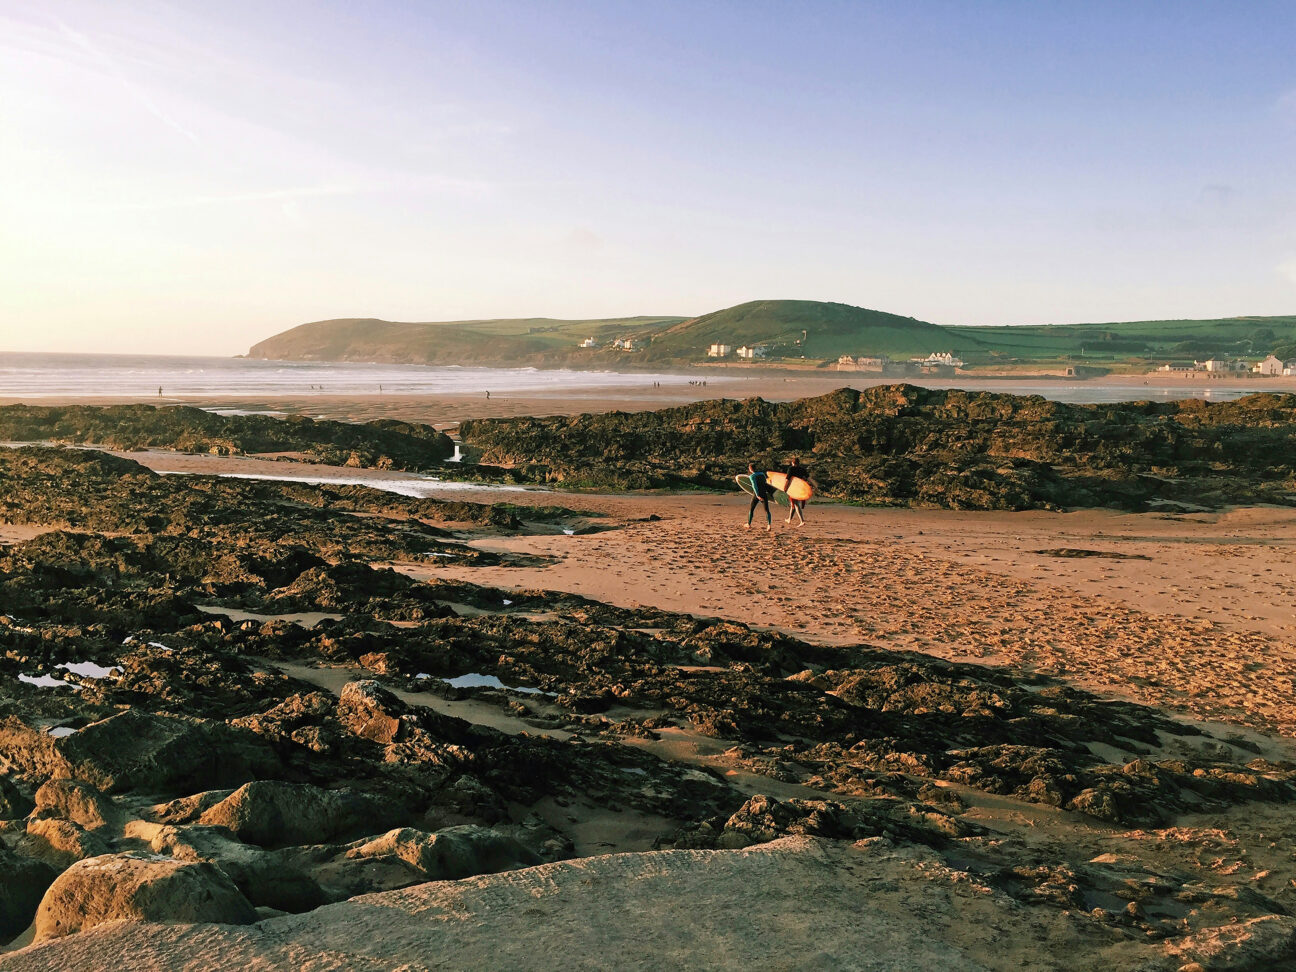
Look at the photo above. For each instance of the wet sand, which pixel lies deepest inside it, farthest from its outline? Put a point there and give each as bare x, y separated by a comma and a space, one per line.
722, 382
1195, 612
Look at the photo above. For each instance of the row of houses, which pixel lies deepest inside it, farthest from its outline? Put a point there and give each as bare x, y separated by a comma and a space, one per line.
617, 344
1272, 366
745, 351
937, 360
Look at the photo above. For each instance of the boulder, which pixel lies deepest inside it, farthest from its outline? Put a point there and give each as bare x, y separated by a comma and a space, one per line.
456, 852
405, 857
60, 842
137, 750
133, 887
14, 804
24, 749
366, 709
276, 814
265, 878
78, 802
22, 883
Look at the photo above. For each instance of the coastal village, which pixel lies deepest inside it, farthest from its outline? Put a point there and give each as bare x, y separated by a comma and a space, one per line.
947, 363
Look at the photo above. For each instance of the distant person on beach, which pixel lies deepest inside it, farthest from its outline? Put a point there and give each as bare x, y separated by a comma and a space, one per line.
796, 471
488, 396
159, 391
763, 491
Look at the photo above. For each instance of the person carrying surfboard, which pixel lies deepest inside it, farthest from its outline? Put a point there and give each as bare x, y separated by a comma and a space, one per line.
796, 471
761, 493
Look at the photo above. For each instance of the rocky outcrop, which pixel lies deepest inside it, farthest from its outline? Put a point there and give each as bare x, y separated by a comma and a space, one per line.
75, 801
271, 813
131, 887
60, 842
267, 879
804, 903
449, 854
384, 444
142, 751
908, 446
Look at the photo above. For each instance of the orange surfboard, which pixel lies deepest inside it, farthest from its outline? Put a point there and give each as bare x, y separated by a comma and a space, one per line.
798, 489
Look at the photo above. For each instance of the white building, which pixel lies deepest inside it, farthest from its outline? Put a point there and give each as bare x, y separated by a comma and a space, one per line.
939, 359
1213, 364
627, 344
719, 351
753, 352
1271, 365
589, 343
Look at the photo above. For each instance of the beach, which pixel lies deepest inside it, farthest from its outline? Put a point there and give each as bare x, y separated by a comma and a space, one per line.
1192, 611
1068, 737
445, 396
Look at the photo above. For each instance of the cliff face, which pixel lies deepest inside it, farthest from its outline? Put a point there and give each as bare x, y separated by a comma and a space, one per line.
903, 445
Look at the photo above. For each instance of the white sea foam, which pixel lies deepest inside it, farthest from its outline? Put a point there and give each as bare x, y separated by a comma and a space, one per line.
26, 375
420, 487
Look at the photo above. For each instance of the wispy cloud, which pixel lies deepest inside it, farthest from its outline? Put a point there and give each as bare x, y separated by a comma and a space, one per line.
292, 193
113, 67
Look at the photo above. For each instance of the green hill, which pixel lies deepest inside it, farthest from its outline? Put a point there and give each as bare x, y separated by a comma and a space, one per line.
533, 340
830, 330
819, 331
1241, 336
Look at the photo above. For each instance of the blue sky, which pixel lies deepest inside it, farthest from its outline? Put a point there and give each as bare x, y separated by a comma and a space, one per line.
193, 177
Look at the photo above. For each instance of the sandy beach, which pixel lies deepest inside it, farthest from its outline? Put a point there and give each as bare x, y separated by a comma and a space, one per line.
1193, 612
447, 410
1188, 614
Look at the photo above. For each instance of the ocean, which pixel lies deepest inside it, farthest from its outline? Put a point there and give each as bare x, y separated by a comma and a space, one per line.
33, 376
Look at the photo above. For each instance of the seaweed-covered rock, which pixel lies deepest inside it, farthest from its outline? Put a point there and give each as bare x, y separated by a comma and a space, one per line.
143, 751
903, 445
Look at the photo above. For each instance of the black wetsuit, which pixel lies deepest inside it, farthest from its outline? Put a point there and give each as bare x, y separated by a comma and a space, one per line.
797, 472
763, 493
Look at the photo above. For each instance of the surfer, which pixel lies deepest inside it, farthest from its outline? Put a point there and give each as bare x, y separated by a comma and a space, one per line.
761, 493
796, 471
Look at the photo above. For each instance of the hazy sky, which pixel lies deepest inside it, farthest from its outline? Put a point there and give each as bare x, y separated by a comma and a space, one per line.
187, 176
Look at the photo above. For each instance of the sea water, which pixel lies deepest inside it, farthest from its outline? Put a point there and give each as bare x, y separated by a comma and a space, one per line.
30, 376
33, 376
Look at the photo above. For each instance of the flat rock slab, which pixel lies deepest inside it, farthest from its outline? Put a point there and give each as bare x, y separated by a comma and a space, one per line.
797, 903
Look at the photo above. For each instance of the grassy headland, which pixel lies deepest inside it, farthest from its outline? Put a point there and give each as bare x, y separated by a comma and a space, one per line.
787, 331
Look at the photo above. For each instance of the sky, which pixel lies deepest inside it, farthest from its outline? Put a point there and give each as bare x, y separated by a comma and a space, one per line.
192, 177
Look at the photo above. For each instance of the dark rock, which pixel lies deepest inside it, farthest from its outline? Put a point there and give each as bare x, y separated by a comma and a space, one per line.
136, 750
365, 709
14, 804
272, 813
265, 877
22, 884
